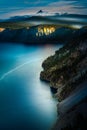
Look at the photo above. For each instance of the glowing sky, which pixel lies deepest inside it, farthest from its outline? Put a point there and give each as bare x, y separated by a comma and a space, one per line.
21, 7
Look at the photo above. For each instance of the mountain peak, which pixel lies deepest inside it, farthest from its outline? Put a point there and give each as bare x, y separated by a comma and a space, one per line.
40, 11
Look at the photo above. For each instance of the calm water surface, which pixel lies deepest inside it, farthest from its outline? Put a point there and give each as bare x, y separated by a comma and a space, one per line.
26, 103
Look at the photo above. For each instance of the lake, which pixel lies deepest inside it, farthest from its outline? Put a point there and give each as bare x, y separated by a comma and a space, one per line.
26, 103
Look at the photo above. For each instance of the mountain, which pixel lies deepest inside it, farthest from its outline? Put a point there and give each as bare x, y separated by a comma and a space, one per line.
40, 11
31, 35
42, 17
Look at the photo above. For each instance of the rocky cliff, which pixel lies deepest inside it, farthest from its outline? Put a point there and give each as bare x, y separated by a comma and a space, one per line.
37, 34
66, 71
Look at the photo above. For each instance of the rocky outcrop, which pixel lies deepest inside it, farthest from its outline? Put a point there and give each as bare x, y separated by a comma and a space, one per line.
68, 67
67, 72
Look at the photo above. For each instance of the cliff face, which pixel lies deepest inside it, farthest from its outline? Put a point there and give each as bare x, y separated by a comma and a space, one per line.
67, 72
37, 34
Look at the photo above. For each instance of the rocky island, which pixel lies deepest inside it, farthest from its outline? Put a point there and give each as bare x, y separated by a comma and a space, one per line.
66, 71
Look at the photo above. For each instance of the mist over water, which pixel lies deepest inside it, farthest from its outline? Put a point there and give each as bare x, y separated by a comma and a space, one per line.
26, 103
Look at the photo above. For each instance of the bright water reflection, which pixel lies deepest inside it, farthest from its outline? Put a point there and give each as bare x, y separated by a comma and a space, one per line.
26, 103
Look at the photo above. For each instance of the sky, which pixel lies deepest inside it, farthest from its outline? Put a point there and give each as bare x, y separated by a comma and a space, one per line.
24, 7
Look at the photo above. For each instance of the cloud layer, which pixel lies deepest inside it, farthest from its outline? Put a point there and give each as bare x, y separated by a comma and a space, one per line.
21, 7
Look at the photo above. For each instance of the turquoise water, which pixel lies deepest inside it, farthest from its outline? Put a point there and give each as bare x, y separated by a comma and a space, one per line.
26, 103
